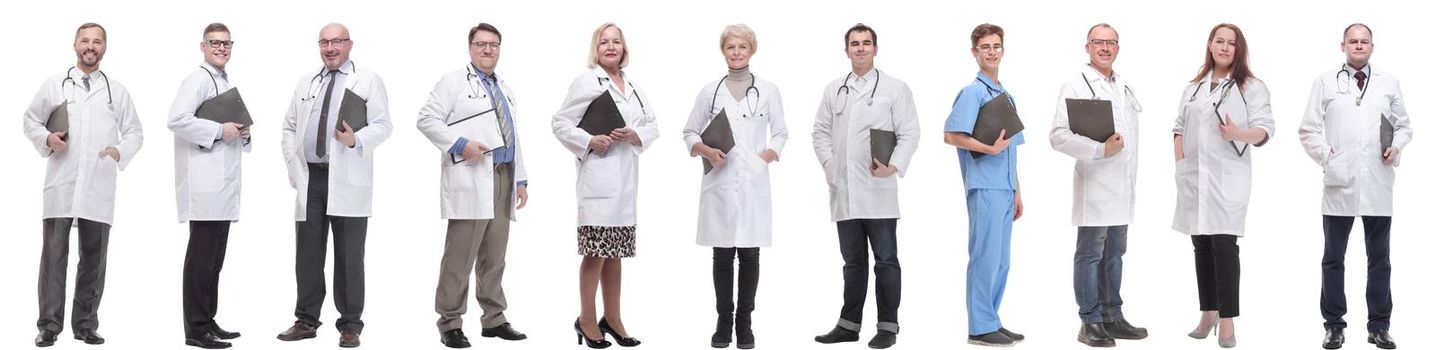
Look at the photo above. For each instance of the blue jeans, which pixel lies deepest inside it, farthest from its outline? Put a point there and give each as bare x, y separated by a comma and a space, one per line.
1097, 272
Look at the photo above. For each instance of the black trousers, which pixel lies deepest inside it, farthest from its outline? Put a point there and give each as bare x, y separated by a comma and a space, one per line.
1378, 270
311, 237
723, 279
202, 262
1219, 273
89, 280
854, 238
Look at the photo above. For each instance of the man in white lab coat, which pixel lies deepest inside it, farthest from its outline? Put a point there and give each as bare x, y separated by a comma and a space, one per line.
207, 182
331, 168
102, 136
1342, 130
1103, 190
863, 192
469, 117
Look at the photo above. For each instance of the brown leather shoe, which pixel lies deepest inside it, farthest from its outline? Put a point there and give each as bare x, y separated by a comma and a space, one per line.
348, 339
298, 331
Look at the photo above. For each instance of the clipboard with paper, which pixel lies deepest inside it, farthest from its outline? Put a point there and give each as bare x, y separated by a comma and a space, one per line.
1238, 116
482, 127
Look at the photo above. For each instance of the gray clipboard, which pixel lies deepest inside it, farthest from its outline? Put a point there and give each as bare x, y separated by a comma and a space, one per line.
883, 143
1091, 118
227, 107
996, 115
718, 134
602, 116
1388, 133
59, 121
353, 110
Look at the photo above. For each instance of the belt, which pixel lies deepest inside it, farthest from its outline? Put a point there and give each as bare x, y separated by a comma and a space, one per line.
320, 166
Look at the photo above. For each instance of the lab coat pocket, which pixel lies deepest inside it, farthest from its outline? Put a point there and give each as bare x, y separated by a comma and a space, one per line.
1337, 170
358, 169
1186, 176
207, 170
600, 177
103, 179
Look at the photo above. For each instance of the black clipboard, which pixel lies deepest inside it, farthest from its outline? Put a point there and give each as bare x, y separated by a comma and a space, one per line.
602, 116
1388, 133
1091, 118
353, 110
883, 143
996, 115
227, 107
718, 134
59, 121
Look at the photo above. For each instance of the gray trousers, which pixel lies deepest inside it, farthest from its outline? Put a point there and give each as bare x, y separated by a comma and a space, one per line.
89, 280
476, 246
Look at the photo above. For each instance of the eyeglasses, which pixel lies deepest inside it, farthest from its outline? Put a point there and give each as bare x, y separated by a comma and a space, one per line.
327, 42
1101, 43
485, 44
990, 47
218, 43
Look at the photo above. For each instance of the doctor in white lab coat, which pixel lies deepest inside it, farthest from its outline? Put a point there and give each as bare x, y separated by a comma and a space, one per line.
862, 192
607, 174
1213, 170
103, 136
1104, 184
735, 207
207, 183
469, 117
1341, 131
332, 171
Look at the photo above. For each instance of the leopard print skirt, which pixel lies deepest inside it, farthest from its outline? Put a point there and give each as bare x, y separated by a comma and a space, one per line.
607, 241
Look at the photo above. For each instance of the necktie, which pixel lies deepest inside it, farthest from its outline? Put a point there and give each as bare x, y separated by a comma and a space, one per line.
321, 144
1361, 80
86, 80
496, 93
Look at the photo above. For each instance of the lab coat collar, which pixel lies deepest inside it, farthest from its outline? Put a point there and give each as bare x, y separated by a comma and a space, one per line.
480, 73
867, 77
1347, 67
995, 88
79, 75
1208, 78
347, 68
215, 71
1097, 76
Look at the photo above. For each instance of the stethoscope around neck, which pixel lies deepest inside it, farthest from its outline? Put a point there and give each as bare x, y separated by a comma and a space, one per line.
630, 87
845, 90
71, 79
474, 92
1344, 85
314, 83
752, 86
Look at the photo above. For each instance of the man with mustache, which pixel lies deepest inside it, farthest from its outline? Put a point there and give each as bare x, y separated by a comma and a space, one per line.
331, 168
102, 133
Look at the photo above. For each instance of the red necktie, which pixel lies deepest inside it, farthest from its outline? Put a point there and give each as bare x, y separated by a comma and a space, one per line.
1361, 80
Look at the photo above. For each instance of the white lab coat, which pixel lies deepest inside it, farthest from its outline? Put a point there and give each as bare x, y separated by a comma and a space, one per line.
607, 185
841, 142
207, 170
1345, 140
80, 183
735, 206
466, 189
1213, 183
1103, 188
351, 170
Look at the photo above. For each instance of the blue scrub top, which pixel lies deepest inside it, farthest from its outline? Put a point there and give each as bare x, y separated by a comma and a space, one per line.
992, 171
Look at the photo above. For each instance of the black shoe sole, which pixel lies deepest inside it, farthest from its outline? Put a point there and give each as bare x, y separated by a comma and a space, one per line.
196, 343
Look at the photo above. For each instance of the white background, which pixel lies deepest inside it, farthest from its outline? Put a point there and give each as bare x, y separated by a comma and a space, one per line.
674, 52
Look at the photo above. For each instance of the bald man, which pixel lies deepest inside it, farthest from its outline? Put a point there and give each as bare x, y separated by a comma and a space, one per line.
331, 168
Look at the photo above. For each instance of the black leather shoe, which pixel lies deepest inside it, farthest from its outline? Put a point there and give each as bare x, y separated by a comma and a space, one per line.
89, 336
454, 338
1010, 334
1121, 329
299, 330
1334, 338
46, 338
1382, 339
504, 331
883, 340
207, 341
837, 335
995, 338
1094, 335
223, 334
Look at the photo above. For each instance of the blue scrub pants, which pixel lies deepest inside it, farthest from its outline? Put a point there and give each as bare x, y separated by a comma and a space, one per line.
989, 242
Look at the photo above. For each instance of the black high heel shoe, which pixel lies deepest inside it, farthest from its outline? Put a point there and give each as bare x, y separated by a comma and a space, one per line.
593, 344
624, 342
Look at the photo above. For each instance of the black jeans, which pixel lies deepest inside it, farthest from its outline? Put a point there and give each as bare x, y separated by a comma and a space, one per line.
310, 240
1219, 272
1378, 270
854, 238
723, 279
203, 260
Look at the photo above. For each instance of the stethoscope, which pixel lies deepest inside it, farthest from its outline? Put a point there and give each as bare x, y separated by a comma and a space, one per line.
71, 79
636, 95
314, 83
474, 92
1217, 106
1344, 85
1126, 90
845, 90
752, 86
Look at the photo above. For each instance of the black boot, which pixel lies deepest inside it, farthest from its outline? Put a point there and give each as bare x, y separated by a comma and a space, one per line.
723, 333
743, 325
747, 292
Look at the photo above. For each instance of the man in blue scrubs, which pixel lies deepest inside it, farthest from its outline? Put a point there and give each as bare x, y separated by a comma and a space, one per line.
994, 198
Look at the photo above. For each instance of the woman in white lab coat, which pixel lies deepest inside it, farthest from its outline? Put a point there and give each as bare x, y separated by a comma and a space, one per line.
1224, 111
607, 186
735, 206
